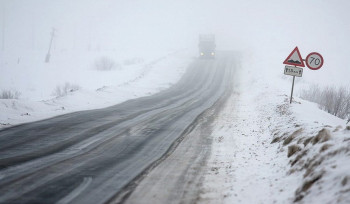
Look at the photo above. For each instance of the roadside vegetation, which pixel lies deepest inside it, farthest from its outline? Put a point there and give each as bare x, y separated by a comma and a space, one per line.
63, 90
335, 101
106, 64
9, 94
318, 153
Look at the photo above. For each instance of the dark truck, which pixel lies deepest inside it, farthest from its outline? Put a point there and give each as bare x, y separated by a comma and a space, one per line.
207, 46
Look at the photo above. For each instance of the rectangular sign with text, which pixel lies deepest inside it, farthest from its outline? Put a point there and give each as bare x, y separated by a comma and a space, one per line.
293, 71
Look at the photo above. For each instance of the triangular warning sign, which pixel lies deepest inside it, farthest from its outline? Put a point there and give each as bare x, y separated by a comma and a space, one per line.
294, 58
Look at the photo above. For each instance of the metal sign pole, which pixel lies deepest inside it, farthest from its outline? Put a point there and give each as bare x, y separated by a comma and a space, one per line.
314, 61
291, 94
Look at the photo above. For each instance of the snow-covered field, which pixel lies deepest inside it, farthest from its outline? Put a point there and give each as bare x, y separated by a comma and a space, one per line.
37, 82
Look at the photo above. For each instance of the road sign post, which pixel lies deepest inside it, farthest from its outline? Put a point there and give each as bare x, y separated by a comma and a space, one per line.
295, 72
314, 61
295, 59
291, 94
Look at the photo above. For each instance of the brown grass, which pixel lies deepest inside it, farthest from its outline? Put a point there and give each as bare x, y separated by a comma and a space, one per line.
300, 193
307, 141
276, 139
292, 149
298, 157
337, 128
322, 136
308, 184
291, 137
325, 147
344, 181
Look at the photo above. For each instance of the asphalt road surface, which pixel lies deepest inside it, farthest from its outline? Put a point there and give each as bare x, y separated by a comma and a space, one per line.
92, 156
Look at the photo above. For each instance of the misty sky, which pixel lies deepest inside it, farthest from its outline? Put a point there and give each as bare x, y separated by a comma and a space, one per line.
145, 26
113, 23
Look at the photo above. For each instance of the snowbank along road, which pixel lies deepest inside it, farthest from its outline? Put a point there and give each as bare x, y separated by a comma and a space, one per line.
98, 156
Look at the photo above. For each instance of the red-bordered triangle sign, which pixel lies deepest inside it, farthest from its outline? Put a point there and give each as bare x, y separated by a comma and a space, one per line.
294, 58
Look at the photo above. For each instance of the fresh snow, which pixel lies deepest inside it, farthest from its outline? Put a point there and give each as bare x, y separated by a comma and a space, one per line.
244, 167
254, 134
37, 81
257, 127
249, 162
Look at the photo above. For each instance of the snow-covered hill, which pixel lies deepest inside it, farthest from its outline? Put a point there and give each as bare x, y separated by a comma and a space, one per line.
267, 150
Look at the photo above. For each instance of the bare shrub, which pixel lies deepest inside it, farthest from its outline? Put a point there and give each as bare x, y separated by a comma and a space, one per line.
65, 89
105, 64
312, 94
132, 61
9, 94
334, 101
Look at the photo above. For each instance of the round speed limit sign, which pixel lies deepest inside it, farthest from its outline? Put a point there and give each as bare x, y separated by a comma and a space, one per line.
314, 61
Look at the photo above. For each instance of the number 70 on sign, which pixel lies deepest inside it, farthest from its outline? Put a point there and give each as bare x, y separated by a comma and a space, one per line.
314, 61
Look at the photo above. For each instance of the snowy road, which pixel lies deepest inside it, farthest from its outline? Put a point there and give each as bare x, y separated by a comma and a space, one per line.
90, 156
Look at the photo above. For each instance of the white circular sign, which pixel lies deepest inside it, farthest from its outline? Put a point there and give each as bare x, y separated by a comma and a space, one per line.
314, 61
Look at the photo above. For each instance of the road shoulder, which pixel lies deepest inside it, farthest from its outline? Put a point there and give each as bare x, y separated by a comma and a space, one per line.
244, 167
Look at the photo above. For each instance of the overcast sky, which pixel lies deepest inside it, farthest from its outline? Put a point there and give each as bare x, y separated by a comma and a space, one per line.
274, 25
111, 23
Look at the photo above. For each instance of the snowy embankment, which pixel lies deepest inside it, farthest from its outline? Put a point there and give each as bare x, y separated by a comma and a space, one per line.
266, 150
74, 83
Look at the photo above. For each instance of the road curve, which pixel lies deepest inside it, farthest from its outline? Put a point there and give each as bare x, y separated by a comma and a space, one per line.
90, 156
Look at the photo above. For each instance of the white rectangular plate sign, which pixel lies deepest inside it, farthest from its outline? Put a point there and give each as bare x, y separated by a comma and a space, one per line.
293, 71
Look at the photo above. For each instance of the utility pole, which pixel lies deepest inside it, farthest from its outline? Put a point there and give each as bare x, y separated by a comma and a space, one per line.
48, 55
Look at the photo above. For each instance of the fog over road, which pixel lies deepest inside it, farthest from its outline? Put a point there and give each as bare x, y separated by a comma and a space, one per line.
91, 156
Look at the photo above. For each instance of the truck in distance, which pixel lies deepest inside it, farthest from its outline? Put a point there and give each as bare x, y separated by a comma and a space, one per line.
207, 46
